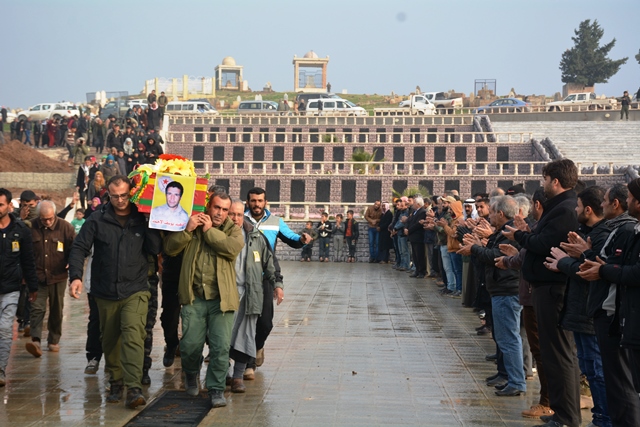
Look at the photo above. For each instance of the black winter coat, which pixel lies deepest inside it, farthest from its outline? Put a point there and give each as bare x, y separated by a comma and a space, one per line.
558, 219
574, 316
621, 228
415, 229
625, 274
17, 260
498, 282
120, 264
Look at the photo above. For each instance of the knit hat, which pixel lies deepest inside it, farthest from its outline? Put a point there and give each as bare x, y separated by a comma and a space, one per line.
110, 157
634, 188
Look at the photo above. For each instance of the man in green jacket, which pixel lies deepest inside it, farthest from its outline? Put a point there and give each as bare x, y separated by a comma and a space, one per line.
208, 293
254, 265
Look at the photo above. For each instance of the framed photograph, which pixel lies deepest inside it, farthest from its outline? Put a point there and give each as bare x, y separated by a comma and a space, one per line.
172, 203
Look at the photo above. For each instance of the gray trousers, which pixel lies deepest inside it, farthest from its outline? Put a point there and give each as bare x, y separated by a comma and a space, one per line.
8, 307
338, 246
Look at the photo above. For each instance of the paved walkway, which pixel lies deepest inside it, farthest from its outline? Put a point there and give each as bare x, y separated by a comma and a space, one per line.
354, 345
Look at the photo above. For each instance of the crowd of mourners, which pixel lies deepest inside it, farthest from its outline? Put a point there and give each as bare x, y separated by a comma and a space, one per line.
553, 275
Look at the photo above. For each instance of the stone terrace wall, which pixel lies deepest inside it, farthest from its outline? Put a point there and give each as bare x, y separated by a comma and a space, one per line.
406, 149
285, 253
41, 181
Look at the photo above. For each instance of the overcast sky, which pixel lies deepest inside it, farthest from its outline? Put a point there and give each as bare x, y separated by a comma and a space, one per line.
55, 50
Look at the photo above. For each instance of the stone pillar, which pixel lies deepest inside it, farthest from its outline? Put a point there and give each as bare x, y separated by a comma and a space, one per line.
324, 75
295, 76
174, 89
185, 87
213, 87
155, 85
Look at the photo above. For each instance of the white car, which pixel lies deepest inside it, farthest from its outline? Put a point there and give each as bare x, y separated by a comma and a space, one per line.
332, 106
41, 112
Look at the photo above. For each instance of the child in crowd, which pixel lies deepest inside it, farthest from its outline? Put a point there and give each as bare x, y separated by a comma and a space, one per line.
307, 249
78, 221
338, 238
324, 231
351, 234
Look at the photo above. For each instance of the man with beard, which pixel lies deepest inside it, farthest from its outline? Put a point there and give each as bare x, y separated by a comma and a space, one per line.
556, 345
574, 317
208, 293
16, 262
617, 362
28, 205
253, 267
273, 227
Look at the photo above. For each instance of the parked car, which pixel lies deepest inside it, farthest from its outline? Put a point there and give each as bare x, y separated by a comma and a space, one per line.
582, 101
440, 100
190, 107
46, 110
415, 105
258, 107
332, 106
308, 96
505, 105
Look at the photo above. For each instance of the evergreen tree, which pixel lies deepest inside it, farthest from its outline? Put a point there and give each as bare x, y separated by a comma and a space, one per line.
587, 63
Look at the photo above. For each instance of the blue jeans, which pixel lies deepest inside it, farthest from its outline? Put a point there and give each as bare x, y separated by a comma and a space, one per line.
27, 137
403, 248
396, 250
506, 329
324, 246
590, 364
373, 243
456, 265
447, 275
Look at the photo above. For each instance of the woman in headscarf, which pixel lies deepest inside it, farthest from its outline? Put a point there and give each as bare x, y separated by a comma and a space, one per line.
97, 188
385, 242
94, 205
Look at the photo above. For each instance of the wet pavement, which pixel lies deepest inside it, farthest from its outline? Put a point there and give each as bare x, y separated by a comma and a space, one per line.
353, 345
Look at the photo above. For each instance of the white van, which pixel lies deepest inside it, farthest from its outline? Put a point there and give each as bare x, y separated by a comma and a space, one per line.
258, 107
334, 107
190, 107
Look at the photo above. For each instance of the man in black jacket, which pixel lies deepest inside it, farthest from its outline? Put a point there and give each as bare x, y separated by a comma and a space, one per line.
567, 259
616, 271
556, 345
503, 286
17, 262
122, 242
414, 231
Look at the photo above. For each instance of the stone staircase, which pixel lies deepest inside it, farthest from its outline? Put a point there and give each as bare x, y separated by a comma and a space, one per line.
586, 142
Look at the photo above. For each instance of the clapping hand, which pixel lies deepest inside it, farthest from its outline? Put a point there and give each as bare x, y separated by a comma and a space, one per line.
590, 270
508, 250
576, 245
521, 224
552, 261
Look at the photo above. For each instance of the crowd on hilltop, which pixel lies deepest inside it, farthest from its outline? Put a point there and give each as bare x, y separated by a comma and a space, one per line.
553, 274
131, 140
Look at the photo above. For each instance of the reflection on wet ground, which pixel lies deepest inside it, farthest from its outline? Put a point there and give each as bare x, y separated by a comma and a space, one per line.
353, 345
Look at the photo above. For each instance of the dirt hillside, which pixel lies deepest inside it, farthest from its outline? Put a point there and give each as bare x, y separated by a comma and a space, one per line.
17, 157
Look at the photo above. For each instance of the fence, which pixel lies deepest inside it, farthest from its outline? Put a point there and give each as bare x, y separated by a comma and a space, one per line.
188, 87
